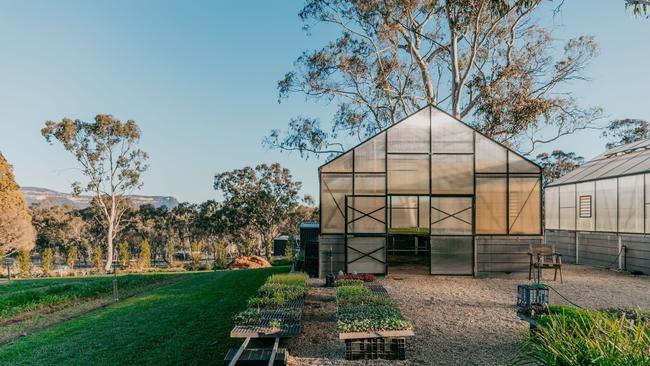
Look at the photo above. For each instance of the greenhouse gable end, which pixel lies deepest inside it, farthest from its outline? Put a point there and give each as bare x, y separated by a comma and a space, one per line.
429, 194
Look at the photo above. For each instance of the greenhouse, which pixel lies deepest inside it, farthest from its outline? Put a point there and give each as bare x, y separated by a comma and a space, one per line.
428, 194
599, 213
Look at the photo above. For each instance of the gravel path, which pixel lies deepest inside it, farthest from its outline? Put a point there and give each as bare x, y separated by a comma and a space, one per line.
462, 320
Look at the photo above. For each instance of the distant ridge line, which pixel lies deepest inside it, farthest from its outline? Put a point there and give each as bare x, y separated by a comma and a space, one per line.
48, 197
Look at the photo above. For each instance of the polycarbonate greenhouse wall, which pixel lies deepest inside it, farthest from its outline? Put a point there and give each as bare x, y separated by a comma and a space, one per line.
610, 193
429, 174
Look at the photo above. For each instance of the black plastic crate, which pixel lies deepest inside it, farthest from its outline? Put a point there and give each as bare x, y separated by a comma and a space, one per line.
375, 348
529, 296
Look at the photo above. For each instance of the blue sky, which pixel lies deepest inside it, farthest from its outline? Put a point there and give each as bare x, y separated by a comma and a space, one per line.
200, 77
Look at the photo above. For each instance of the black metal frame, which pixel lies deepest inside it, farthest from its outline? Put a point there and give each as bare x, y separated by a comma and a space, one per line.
347, 234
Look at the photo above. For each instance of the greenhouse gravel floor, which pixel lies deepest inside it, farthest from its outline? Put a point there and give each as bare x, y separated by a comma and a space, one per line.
461, 320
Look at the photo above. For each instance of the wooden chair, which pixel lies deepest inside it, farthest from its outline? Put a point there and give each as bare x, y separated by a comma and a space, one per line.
544, 256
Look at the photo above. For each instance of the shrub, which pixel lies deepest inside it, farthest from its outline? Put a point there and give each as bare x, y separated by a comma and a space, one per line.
195, 252
281, 262
24, 263
98, 258
342, 283
72, 257
170, 254
144, 261
569, 336
288, 249
123, 254
196, 267
47, 261
220, 255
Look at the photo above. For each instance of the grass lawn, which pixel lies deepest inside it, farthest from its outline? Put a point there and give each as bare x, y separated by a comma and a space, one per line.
22, 296
187, 323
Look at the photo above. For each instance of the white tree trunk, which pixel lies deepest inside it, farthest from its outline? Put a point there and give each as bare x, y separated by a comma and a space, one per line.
109, 248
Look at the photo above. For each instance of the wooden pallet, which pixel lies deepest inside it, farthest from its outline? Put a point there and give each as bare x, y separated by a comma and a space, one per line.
256, 356
255, 331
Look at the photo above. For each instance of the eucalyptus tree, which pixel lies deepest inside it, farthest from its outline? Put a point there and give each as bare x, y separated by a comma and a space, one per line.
107, 153
558, 163
488, 62
259, 199
625, 131
58, 227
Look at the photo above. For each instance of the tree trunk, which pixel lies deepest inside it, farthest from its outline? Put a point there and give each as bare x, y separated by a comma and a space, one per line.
109, 249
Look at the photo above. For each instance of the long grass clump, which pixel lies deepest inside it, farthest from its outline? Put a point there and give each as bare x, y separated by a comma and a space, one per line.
570, 336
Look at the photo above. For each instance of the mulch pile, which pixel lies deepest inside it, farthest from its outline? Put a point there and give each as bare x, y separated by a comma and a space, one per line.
248, 262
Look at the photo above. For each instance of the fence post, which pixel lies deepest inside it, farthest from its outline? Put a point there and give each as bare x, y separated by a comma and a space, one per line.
620, 252
577, 246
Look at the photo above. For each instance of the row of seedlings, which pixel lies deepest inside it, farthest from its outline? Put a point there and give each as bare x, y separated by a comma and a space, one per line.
276, 310
369, 321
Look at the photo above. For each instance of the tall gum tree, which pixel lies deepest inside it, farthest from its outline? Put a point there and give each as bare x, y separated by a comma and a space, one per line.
488, 62
107, 153
16, 230
260, 199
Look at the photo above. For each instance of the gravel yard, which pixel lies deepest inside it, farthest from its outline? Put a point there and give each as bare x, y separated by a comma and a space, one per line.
462, 320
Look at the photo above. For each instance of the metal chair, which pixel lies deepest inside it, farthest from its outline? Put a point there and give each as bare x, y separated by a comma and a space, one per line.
541, 257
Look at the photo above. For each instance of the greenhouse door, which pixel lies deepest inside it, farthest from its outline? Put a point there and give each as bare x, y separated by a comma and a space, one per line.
365, 234
452, 240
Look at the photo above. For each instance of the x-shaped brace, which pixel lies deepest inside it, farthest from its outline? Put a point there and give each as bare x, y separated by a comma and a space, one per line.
451, 215
369, 255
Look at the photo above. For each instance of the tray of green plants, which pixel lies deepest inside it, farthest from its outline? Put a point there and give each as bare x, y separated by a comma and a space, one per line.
27, 296
364, 312
573, 336
276, 309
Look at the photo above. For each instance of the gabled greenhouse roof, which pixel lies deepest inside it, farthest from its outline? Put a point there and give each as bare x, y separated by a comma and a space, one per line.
338, 159
629, 159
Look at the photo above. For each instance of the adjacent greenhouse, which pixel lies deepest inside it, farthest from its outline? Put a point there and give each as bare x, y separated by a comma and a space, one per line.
599, 213
428, 194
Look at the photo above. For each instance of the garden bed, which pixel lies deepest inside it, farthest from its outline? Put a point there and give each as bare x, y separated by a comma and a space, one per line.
370, 322
275, 311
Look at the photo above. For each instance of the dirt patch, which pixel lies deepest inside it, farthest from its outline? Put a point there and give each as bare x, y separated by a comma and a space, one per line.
249, 262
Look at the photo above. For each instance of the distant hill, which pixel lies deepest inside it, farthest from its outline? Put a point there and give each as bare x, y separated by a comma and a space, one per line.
48, 197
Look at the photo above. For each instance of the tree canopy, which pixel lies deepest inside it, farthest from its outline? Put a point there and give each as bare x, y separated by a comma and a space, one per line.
258, 198
558, 163
16, 230
488, 62
624, 131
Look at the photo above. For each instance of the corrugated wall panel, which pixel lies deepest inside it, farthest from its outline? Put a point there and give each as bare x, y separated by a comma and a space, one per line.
503, 253
602, 250
564, 242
